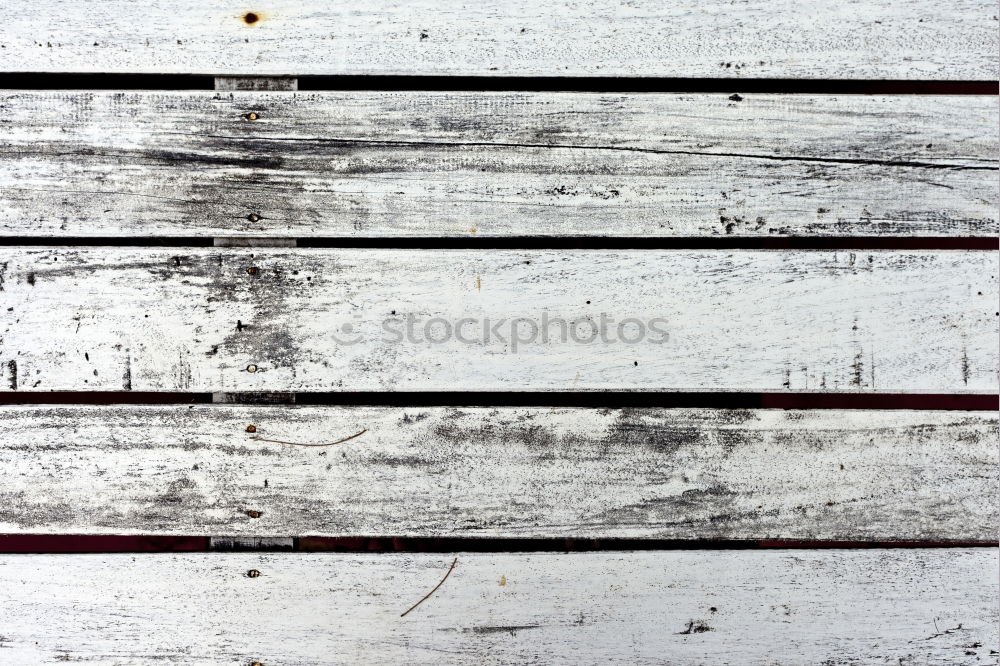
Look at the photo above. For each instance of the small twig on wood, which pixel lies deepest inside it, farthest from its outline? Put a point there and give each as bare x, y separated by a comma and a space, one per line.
339, 441
427, 596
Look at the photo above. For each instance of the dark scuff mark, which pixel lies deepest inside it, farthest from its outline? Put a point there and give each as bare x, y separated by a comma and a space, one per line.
509, 629
735, 97
858, 369
695, 627
965, 365
945, 632
3, 273
31, 278
12, 374
127, 375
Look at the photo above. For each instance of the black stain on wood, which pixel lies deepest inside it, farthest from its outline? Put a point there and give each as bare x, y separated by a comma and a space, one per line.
965, 365
857, 369
12, 374
696, 627
31, 278
127, 375
506, 629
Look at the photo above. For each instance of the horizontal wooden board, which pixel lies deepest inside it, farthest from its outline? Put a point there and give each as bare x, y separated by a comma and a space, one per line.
230, 319
526, 472
376, 164
674, 607
865, 39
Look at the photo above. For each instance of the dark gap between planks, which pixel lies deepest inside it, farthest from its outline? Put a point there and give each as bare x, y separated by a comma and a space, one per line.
550, 243
593, 399
51, 543
54, 81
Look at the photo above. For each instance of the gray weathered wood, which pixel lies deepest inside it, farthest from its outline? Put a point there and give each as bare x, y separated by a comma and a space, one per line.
495, 164
862, 39
256, 83
231, 320
675, 607
526, 472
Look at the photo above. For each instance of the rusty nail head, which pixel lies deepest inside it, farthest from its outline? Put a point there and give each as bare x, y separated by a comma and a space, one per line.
252, 115
251, 428
252, 270
253, 217
251, 368
253, 573
253, 514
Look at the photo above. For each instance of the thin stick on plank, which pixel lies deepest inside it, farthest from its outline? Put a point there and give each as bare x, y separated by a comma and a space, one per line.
427, 596
339, 441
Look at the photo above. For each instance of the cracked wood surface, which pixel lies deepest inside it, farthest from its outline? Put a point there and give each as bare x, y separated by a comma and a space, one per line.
383, 164
867, 606
232, 320
833, 475
861, 39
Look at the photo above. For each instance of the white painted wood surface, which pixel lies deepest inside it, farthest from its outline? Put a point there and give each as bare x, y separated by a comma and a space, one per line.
196, 319
372, 164
675, 607
843, 475
859, 39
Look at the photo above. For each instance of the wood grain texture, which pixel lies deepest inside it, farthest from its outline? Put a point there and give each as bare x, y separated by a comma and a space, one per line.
674, 607
379, 164
859, 39
525, 472
229, 319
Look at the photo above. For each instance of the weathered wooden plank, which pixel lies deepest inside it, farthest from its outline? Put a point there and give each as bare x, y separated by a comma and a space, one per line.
675, 607
226, 319
525, 472
374, 164
896, 39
